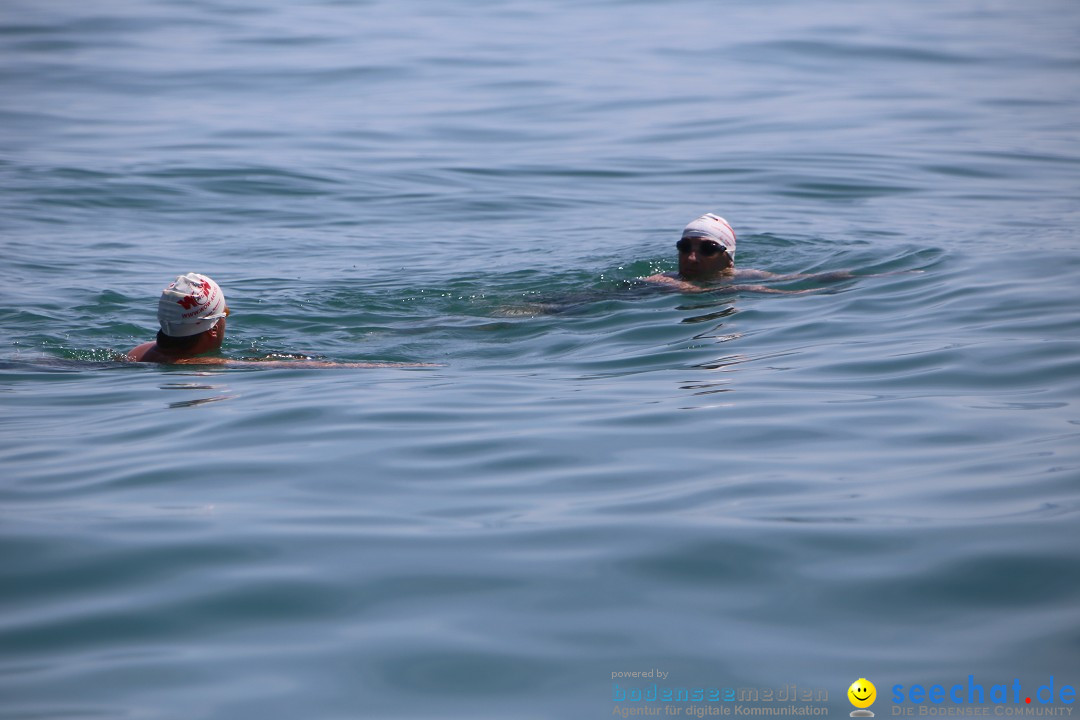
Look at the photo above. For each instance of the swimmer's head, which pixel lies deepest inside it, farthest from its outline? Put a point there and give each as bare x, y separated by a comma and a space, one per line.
192, 304
707, 248
712, 227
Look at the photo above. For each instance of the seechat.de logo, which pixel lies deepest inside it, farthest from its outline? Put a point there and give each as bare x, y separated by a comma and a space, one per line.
974, 692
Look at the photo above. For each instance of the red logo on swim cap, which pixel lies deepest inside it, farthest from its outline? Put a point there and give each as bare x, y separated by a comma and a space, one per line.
190, 301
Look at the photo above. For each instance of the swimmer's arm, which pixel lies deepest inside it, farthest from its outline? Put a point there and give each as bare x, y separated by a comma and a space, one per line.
330, 364
684, 286
673, 282
201, 361
833, 276
253, 362
295, 363
763, 289
766, 275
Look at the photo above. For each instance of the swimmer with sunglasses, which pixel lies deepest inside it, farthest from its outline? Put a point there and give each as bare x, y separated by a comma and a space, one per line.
707, 253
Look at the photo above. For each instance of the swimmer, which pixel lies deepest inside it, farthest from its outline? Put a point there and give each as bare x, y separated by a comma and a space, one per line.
191, 313
707, 254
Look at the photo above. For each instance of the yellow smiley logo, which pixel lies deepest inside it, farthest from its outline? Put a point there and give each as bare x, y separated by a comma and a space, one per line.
862, 693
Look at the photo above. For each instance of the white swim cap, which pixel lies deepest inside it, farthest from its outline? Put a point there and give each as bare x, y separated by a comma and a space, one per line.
712, 227
191, 305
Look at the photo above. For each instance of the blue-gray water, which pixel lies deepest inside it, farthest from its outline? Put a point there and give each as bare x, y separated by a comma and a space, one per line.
876, 479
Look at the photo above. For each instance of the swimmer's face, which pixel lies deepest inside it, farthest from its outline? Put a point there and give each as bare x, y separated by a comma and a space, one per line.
702, 258
220, 327
214, 336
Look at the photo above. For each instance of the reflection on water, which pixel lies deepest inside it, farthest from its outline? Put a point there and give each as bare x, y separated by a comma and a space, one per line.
200, 401
223, 391
187, 386
715, 315
717, 384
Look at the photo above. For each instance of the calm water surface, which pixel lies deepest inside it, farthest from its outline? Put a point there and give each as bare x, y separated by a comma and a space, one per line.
879, 478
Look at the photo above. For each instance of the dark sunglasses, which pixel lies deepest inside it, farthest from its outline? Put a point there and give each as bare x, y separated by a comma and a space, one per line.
707, 248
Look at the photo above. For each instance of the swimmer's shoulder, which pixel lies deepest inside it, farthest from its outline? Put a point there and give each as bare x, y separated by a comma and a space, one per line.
147, 352
670, 280
675, 281
751, 274
150, 353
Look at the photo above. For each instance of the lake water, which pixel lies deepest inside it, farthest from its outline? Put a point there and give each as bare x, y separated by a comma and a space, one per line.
877, 479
